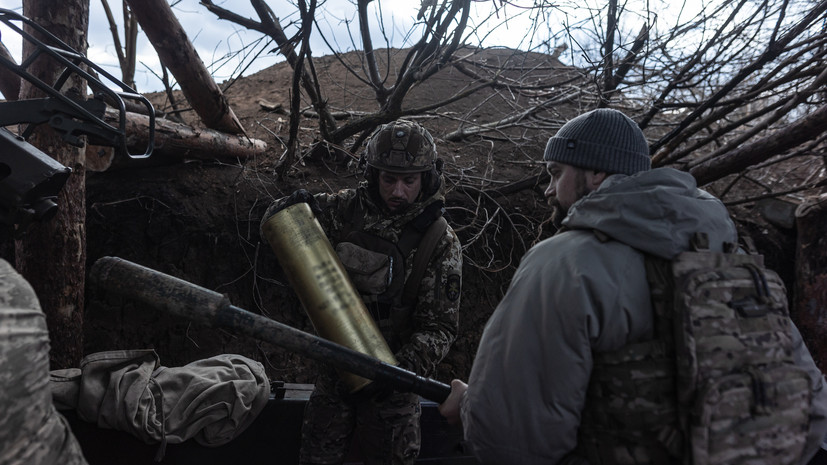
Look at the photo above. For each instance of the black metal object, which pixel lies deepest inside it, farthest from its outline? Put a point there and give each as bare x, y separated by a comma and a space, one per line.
29, 182
71, 117
182, 298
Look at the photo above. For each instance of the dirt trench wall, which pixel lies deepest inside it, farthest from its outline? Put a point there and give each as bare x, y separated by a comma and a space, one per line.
182, 221
200, 223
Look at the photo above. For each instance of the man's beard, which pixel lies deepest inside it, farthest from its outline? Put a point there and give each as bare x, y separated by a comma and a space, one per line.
558, 213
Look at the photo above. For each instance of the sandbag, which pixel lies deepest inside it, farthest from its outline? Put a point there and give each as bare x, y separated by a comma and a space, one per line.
211, 400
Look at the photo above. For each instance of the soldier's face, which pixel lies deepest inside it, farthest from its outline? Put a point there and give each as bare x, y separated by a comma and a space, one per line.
568, 185
399, 190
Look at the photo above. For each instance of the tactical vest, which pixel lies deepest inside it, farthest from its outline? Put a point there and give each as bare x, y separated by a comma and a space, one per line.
377, 267
717, 384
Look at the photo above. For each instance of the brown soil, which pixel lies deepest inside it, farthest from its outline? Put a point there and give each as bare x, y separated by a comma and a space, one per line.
198, 220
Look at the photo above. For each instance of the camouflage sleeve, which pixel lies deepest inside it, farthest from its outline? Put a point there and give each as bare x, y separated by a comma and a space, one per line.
31, 430
333, 209
435, 319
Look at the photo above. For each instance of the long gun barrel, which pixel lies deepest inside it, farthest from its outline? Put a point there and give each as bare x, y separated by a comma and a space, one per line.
195, 303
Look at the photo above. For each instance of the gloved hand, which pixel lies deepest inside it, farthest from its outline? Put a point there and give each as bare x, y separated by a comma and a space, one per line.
298, 196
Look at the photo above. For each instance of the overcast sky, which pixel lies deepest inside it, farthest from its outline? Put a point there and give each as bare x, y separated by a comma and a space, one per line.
216, 40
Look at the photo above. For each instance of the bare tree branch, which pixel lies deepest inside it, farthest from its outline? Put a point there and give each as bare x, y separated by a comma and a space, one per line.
671, 140
126, 53
177, 53
762, 149
270, 25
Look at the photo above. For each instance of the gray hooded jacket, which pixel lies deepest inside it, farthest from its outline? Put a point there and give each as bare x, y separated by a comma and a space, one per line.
573, 295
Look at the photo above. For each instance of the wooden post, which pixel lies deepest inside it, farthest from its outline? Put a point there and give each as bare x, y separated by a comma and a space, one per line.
99, 157
52, 255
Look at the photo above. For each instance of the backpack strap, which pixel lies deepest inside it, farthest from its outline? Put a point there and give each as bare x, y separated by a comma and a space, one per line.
614, 421
426, 248
662, 293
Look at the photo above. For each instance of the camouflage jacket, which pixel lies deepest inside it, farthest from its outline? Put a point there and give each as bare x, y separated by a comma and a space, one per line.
434, 317
32, 432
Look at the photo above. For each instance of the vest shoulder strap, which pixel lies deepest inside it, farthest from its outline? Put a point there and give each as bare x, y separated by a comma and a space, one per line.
355, 218
423, 254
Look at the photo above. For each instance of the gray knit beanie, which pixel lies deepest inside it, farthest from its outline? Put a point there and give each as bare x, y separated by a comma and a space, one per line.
602, 140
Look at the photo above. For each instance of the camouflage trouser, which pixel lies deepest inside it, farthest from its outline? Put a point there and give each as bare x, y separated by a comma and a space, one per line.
387, 430
31, 430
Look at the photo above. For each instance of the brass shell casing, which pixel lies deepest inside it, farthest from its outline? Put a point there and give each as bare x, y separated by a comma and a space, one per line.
317, 275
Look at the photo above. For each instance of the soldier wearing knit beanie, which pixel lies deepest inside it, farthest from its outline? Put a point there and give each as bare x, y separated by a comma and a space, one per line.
577, 363
588, 149
601, 140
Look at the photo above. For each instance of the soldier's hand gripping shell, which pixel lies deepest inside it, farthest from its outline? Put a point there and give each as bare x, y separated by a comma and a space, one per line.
298, 196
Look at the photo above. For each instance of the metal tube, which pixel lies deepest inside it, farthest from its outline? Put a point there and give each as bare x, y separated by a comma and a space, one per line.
195, 303
323, 286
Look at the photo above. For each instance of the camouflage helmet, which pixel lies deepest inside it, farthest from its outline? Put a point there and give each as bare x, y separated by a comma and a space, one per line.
401, 146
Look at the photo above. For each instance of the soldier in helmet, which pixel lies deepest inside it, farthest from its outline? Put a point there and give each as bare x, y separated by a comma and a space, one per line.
377, 230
